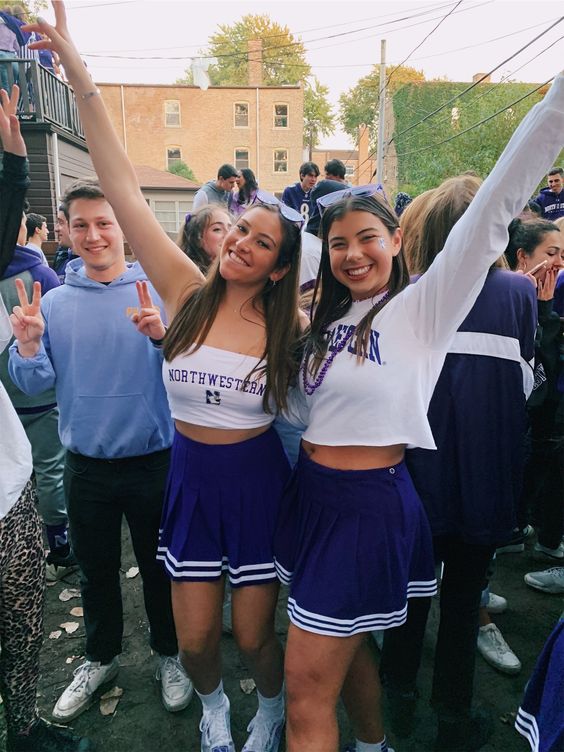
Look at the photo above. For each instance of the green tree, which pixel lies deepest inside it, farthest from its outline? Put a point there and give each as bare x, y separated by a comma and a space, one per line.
360, 104
283, 62
181, 168
318, 117
423, 162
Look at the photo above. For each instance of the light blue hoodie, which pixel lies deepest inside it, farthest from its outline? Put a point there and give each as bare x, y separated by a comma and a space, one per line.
107, 376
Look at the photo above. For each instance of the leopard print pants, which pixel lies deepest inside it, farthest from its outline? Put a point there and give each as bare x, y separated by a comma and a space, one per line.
22, 592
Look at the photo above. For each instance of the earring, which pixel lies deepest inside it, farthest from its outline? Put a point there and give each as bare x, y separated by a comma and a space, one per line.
273, 283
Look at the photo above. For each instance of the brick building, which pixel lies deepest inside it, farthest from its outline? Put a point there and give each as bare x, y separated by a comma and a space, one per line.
162, 124
360, 162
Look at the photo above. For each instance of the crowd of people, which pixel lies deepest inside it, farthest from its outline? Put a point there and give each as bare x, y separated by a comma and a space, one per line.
303, 391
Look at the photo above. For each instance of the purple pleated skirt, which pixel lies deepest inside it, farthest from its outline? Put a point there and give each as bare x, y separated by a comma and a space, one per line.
353, 545
220, 510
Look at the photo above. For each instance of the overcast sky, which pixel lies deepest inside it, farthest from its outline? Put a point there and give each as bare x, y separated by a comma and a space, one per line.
465, 43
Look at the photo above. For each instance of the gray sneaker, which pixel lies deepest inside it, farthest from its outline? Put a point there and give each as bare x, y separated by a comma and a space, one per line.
80, 693
549, 581
176, 687
493, 649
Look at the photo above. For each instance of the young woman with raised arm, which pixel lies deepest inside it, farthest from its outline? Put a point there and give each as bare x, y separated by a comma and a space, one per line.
229, 356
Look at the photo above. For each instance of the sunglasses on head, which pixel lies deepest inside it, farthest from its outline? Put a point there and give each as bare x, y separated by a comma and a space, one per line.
267, 199
359, 190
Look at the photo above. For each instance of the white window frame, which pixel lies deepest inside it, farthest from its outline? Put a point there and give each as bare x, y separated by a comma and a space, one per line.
274, 116
167, 158
246, 104
274, 161
235, 161
176, 111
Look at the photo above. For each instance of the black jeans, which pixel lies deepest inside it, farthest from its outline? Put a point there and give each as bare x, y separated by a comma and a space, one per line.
99, 493
464, 578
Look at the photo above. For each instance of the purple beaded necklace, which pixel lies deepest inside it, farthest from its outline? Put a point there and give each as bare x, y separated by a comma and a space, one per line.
311, 386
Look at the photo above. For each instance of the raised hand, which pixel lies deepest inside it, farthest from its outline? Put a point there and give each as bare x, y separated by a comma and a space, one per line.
27, 321
10, 134
58, 39
148, 318
547, 286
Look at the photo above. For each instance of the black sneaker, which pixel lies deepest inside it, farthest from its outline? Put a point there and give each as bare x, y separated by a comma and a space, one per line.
516, 544
464, 732
47, 737
58, 566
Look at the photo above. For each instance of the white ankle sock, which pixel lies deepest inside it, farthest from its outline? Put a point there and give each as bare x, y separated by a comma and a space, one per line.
377, 747
271, 707
214, 700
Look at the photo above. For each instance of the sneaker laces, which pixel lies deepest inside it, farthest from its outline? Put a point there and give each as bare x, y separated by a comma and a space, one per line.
499, 644
215, 729
262, 732
82, 676
171, 667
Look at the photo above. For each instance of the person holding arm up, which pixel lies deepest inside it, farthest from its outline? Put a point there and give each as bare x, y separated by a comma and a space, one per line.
229, 355
353, 539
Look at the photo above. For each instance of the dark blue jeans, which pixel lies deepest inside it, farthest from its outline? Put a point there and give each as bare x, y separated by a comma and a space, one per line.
99, 494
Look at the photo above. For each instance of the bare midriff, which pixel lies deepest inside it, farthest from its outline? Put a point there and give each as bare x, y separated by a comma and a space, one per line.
206, 435
354, 457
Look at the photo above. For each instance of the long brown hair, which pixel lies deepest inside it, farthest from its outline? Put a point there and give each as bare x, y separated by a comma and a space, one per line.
332, 299
191, 234
428, 220
278, 302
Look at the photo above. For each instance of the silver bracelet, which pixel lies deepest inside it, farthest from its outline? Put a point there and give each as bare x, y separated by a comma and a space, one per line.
93, 93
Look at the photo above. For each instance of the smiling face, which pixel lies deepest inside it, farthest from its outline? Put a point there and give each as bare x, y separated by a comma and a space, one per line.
555, 183
550, 249
97, 238
215, 232
251, 248
361, 250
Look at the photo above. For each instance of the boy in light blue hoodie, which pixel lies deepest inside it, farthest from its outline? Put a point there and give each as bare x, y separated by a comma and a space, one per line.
116, 427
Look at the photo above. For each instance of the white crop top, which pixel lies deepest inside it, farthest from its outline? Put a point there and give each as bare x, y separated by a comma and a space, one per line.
384, 399
211, 387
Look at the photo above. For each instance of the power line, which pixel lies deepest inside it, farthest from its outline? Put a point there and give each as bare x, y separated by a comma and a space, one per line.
475, 83
476, 125
505, 78
465, 91
243, 55
430, 9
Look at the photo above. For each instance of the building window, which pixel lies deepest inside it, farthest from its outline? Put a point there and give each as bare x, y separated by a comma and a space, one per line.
280, 115
280, 160
349, 170
170, 214
173, 156
241, 158
241, 114
172, 114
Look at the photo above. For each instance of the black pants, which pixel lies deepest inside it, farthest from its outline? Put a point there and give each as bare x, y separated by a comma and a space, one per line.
99, 493
464, 577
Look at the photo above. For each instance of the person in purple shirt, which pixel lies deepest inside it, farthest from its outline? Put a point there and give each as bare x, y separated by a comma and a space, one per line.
551, 199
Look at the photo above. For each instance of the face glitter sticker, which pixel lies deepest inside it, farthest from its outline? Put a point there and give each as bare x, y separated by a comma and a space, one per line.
382, 243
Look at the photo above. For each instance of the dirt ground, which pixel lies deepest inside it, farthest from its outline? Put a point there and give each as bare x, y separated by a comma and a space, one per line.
141, 724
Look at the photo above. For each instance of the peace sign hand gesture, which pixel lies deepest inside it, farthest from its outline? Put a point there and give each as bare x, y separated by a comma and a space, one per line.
10, 134
27, 321
148, 318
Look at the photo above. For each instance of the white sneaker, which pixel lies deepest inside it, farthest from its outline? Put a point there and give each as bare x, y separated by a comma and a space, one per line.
496, 604
265, 734
176, 687
554, 553
80, 693
549, 581
216, 729
493, 649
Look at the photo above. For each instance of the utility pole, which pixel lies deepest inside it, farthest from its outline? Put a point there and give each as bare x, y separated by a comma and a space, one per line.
381, 114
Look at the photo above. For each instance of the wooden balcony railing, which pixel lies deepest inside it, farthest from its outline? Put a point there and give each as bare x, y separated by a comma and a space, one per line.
43, 96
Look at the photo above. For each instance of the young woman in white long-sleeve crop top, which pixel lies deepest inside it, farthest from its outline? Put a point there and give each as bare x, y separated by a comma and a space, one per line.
353, 539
